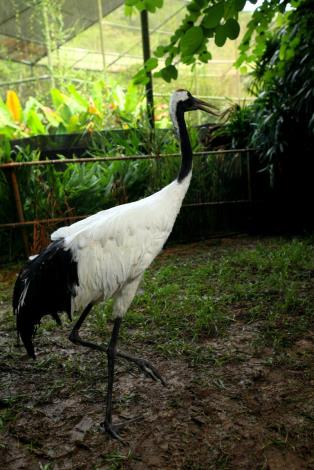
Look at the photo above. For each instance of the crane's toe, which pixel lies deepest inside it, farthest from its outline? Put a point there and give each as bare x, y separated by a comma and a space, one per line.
113, 429
149, 370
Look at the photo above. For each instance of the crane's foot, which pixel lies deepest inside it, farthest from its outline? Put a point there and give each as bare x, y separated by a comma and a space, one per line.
149, 370
145, 366
113, 429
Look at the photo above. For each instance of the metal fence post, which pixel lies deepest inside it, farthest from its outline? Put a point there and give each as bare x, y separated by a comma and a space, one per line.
249, 182
146, 56
19, 208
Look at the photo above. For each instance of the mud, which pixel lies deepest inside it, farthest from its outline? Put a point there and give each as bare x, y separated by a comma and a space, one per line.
251, 408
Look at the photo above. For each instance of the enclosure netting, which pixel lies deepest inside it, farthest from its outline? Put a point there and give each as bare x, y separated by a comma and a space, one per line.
22, 35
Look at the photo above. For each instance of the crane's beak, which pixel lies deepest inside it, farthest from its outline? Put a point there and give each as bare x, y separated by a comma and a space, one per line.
204, 106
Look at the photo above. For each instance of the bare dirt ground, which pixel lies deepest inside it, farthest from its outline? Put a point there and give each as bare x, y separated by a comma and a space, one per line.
250, 408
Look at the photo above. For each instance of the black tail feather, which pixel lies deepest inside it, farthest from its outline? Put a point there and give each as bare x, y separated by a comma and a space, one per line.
27, 332
45, 286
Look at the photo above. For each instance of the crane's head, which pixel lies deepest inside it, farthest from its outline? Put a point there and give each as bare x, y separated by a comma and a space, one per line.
182, 101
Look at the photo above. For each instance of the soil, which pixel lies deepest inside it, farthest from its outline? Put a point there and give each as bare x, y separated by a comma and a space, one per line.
255, 411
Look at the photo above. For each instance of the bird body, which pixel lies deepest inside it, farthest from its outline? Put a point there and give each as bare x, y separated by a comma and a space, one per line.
113, 248
104, 256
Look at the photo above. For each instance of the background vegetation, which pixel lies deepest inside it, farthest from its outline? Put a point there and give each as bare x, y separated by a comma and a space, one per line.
279, 123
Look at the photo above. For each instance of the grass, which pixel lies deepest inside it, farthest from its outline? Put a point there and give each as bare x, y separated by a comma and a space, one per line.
194, 304
186, 300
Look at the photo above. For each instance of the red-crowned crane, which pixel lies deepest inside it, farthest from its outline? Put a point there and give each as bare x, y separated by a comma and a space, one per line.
104, 256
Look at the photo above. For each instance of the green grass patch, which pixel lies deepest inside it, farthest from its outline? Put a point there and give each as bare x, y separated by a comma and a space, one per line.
196, 297
187, 299
184, 301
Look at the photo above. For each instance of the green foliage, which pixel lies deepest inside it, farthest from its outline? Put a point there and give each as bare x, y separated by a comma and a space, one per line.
140, 5
192, 298
204, 20
217, 19
280, 121
108, 106
284, 84
237, 132
260, 30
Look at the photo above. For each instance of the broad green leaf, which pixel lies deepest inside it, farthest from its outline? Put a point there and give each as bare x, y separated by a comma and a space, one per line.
188, 59
76, 95
230, 9
128, 10
220, 36
205, 56
243, 70
140, 78
191, 40
169, 73
74, 123
191, 19
201, 3
232, 28
193, 7
58, 98
132, 98
240, 4
34, 123
175, 37
151, 64
150, 6
53, 118
6, 120
209, 33
159, 52
213, 15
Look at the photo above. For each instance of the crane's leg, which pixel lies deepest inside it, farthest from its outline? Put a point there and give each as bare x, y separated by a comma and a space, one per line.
74, 336
111, 354
145, 366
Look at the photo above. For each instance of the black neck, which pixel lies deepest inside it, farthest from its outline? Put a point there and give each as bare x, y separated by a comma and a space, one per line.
186, 149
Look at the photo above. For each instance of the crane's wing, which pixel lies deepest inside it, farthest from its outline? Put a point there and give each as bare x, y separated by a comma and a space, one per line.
154, 206
45, 285
117, 246
66, 231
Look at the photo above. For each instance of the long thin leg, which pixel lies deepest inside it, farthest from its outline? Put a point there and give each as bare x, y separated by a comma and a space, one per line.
111, 354
75, 337
145, 366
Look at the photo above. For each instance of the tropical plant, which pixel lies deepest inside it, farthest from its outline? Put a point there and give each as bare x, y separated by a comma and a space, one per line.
236, 133
107, 107
280, 122
283, 81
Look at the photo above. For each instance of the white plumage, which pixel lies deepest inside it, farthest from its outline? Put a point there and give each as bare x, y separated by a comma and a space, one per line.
114, 247
105, 256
